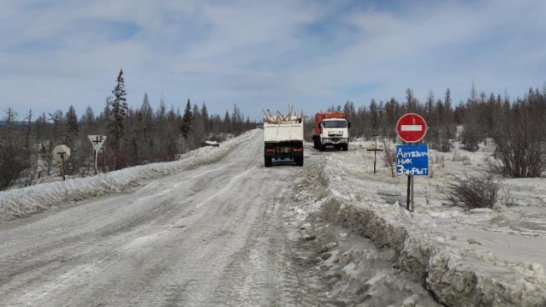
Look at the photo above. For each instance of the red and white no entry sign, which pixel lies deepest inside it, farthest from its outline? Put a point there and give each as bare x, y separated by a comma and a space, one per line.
411, 127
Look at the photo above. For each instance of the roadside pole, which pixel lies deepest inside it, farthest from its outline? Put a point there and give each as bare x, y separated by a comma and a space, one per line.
61, 153
411, 180
411, 158
96, 159
412, 204
375, 149
62, 165
408, 198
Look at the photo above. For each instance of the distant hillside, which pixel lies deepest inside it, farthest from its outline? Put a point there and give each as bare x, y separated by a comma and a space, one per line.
4, 124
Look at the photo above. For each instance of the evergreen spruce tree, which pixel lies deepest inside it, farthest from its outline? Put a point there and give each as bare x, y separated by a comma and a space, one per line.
186, 120
374, 118
227, 123
88, 119
71, 130
205, 118
119, 111
411, 101
14, 157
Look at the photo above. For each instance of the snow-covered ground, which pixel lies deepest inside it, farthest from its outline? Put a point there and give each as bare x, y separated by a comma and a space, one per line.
489, 257
27, 201
218, 227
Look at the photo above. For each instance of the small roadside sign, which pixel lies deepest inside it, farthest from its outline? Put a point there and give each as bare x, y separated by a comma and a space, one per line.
61, 153
97, 141
412, 160
375, 149
411, 127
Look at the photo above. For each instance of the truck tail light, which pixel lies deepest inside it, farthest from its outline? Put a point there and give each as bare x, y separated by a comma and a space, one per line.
297, 149
270, 150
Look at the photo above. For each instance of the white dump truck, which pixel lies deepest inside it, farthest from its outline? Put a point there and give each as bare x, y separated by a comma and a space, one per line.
283, 138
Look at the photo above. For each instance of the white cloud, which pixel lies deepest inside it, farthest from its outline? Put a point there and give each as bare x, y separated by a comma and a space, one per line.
264, 54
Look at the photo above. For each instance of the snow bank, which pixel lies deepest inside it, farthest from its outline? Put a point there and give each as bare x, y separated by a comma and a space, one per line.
461, 276
27, 201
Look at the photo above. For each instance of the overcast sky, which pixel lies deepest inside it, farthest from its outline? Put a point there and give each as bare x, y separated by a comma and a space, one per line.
265, 54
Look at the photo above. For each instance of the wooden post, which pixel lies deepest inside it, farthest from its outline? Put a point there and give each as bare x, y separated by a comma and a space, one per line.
374, 161
62, 165
375, 155
375, 149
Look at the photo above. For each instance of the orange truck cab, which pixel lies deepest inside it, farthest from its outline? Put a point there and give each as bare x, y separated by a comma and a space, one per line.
331, 129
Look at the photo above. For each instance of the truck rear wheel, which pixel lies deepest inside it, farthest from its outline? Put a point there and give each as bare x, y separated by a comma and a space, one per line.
345, 147
267, 161
299, 161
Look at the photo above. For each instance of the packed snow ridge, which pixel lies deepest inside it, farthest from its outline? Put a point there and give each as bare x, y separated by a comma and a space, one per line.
27, 201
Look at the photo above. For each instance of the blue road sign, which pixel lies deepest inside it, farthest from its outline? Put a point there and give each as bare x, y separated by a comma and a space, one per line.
412, 160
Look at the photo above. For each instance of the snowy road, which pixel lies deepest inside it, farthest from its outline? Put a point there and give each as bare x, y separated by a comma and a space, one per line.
217, 228
213, 235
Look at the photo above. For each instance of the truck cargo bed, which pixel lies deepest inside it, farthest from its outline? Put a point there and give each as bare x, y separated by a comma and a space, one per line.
282, 132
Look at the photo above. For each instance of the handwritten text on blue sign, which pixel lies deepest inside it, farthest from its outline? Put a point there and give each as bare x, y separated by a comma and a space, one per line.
412, 160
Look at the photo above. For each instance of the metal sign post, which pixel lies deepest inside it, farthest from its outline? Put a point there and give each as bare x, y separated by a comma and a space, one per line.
97, 141
408, 198
96, 160
411, 160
